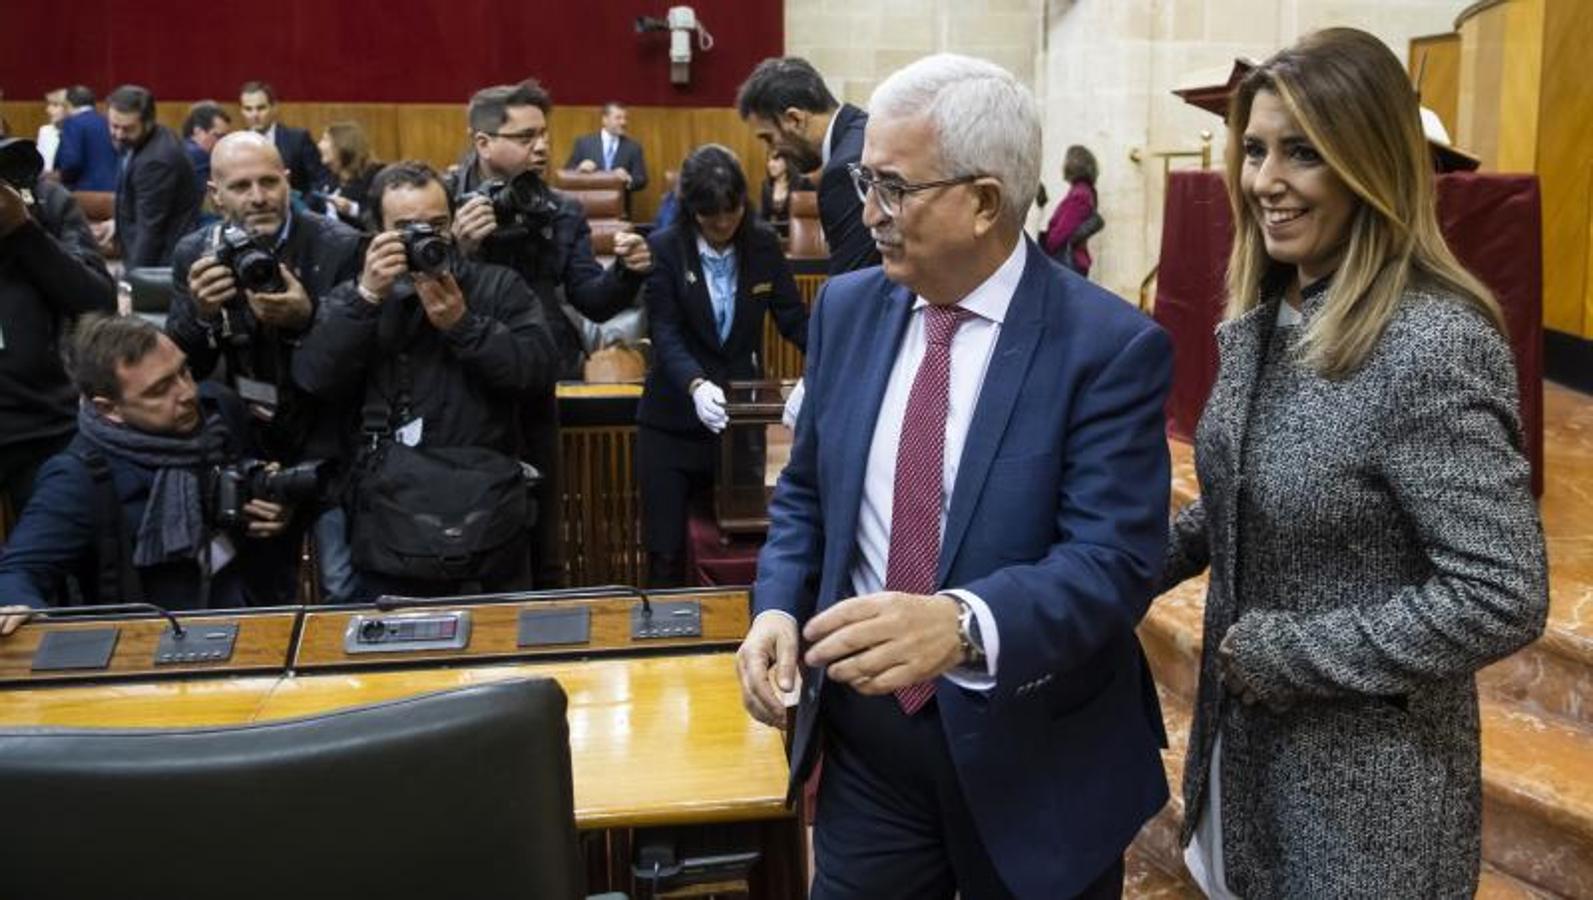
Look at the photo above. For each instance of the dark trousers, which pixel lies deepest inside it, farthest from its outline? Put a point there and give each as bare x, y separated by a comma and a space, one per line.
891, 819
19, 466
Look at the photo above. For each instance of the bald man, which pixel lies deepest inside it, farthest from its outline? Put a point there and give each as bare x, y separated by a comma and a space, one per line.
215, 319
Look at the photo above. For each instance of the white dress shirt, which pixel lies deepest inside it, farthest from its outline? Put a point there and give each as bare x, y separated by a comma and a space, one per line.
824, 148
610, 147
972, 348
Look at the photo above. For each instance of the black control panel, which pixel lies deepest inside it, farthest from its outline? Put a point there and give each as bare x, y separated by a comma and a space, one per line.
671, 619
197, 644
400, 632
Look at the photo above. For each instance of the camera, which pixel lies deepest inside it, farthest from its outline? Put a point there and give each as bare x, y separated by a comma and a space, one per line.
522, 205
233, 486
425, 249
253, 266
20, 163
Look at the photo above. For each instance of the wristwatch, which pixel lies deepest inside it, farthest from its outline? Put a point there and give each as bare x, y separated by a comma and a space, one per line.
973, 643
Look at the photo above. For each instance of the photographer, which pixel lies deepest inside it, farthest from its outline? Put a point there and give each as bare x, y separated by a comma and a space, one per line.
244, 294
444, 351
50, 273
129, 507
542, 235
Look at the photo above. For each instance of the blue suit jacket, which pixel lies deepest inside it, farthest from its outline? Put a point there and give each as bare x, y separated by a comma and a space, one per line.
86, 159
840, 209
1057, 520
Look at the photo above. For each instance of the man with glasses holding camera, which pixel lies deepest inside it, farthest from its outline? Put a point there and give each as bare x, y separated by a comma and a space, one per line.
442, 352
508, 215
244, 294
135, 508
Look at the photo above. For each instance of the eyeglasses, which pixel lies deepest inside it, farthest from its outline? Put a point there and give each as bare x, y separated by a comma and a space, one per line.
892, 194
523, 138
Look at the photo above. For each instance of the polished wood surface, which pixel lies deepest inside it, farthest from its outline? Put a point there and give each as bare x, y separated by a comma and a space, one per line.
657, 740
263, 644
1435, 59
437, 133
494, 630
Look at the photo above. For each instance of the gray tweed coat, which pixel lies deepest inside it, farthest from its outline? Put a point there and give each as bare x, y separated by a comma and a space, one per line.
1373, 541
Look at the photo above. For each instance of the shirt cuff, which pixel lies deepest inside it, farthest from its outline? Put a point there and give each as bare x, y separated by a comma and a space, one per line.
972, 677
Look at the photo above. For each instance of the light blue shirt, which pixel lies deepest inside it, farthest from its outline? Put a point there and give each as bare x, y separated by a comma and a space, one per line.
719, 268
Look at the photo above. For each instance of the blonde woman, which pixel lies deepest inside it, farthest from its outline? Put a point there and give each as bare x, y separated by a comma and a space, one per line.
1365, 509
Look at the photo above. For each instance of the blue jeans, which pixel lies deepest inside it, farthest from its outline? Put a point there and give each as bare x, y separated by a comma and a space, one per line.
334, 558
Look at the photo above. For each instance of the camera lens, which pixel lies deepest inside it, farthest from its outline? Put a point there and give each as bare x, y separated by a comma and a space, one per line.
257, 271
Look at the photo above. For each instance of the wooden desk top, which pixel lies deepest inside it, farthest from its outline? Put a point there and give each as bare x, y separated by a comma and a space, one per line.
653, 740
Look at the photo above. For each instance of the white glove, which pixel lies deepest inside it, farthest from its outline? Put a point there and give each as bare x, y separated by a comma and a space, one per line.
710, 402
793, 406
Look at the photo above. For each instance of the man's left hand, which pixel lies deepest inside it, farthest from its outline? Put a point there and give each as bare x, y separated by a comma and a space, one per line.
883, 642
12, 618
444, 302
266, 519
288, 309
633, 252
620, 171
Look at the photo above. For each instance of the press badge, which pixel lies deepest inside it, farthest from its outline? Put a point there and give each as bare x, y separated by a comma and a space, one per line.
409, 435
261, 392
763, 287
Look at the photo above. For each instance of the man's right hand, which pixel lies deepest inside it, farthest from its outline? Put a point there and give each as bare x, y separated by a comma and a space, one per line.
385, 262
586, 166
766, 665
12, 617
473, 224
211, 285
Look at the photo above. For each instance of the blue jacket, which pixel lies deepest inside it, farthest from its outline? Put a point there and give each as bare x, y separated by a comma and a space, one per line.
1057, 520
840, 209
87, 160
58, 533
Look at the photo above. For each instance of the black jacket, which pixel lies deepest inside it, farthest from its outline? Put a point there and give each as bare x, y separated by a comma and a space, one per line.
157, 200
560, 268
50, 273
323, 254
627, 156
840, 210
58, 535
466, 385
301, 156
680, 313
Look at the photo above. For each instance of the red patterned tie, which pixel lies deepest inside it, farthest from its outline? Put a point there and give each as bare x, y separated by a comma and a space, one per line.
919, 488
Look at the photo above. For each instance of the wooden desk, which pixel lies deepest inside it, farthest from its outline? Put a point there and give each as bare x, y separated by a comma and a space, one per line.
653, 741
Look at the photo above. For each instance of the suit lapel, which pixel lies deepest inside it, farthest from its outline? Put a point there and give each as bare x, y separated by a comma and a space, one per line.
699, 305
749, 312
867, 392
1021, 333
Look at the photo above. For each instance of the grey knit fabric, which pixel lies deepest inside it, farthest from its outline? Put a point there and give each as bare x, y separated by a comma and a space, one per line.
1373, 541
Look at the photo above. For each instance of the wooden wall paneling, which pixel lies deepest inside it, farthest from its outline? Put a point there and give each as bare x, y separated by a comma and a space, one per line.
1481, 61
600, 521
435, 132
1565, 167
1521, 85
1436, 59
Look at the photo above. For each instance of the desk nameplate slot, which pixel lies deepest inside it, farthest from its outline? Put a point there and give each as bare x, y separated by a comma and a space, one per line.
78, 649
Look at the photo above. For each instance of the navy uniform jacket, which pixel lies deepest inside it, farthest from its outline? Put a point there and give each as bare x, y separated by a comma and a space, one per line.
1057, 520
680, 314
840, 209
157, 200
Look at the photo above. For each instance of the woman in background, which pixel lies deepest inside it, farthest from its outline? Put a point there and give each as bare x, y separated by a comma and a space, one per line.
346, 153
775, 204
1071, 225
1365, 508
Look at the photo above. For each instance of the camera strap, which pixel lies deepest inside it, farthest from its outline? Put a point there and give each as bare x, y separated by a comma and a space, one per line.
117, 579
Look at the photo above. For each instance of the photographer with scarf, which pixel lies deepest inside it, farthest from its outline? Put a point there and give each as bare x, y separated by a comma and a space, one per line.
135, 483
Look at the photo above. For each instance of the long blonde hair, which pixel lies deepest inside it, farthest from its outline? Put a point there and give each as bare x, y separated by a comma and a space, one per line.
1353, 100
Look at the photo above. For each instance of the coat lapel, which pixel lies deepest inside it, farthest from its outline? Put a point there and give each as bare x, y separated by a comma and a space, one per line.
1021, 333
699, 304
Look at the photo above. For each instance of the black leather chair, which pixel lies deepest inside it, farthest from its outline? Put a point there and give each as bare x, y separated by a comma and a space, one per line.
465, 793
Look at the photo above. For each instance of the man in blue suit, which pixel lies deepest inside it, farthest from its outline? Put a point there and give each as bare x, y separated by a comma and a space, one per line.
967, 531
86, 159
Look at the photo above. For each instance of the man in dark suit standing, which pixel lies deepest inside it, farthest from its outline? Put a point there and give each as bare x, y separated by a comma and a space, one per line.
86, 158
610, 150
258, 102
792, 111
967, 531
158, 195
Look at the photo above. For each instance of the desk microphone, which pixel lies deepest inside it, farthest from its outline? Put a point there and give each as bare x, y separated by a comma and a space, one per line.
72, 612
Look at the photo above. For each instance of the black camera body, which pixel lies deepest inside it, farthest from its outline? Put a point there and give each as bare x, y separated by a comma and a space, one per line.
425, 249
523, 205
233, 486
253, 267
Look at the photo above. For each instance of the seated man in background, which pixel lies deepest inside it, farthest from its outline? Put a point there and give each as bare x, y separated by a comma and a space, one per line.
50, 273
158, 196
546, 239
258, 102
136, 508
244, 293
611, 150
444, 352
206, 124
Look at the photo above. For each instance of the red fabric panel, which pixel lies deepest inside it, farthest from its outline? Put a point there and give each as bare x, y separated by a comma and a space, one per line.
1493, 223
377, 51
711, 560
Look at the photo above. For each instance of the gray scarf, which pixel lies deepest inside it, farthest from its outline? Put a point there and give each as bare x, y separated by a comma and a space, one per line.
173, 527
